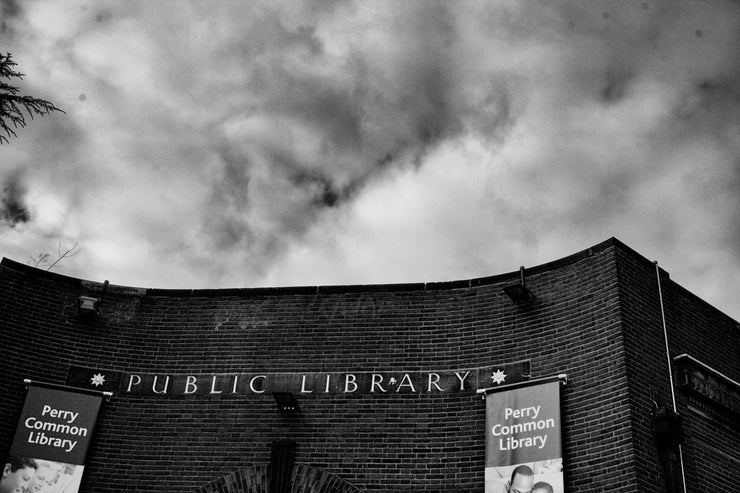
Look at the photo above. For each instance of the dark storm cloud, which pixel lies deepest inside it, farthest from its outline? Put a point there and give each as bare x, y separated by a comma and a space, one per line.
616, 84
710, 104
712, 112
9, 10
365, 110
229, 201
13, 207
292, 139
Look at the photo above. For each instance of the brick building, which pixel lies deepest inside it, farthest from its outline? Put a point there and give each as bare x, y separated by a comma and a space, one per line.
192, 409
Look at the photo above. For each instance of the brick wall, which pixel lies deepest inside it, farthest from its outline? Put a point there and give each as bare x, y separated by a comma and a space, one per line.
392, 443
712, 449
711, 452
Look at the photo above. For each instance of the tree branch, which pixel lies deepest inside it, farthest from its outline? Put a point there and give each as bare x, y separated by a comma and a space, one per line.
12, 105
67, 253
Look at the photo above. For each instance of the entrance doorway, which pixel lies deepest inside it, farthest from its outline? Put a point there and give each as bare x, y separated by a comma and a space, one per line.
256, 479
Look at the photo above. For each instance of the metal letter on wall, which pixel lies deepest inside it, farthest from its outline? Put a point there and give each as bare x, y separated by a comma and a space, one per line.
53, 436
523, 440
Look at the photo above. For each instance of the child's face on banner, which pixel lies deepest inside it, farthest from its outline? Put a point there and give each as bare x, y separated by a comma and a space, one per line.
13, 481
45, 477
521, 484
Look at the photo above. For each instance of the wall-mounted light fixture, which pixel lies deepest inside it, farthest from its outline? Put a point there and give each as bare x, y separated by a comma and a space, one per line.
286, 402
518, 292
88, 307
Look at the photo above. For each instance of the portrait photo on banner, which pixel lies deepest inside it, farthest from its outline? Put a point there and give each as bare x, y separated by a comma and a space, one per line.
27, 474
538, 477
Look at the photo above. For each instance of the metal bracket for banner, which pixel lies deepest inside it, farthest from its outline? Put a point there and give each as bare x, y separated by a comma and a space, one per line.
562, 378
57, 386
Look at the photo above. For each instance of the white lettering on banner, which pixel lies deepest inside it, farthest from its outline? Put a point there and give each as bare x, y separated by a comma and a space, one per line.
521, 413
42, 439
513, 444
59, 413
38, 437
34, 424
499, 429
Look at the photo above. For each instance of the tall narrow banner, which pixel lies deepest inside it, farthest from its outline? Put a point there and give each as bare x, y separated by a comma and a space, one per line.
51, 440
523, 439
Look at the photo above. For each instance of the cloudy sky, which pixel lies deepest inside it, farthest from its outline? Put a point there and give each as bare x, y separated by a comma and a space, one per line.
240, 144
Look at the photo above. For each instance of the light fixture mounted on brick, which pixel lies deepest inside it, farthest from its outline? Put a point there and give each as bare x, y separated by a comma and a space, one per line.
518, 291
88, 307
286, 402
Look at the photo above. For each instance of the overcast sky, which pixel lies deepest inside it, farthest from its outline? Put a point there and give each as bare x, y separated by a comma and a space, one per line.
240, 144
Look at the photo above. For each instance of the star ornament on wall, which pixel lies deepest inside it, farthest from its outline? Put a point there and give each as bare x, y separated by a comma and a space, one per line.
498, 377
97, 379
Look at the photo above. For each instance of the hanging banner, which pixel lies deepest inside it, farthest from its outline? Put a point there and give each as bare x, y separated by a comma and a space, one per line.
376, 383
523, 440
51, 441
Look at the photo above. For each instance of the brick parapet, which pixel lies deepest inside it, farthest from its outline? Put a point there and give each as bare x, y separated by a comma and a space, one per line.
429, 443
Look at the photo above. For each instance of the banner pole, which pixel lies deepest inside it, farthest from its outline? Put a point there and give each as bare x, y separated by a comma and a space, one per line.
562, 377
57, 386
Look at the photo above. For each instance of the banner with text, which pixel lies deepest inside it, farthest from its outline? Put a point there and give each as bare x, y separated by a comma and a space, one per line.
52, 437
523, 440
378, 383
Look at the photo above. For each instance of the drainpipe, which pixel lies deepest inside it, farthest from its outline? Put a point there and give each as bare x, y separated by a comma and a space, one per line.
669, 432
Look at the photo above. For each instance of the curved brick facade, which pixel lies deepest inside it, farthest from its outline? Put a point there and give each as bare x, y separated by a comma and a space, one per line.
596, 316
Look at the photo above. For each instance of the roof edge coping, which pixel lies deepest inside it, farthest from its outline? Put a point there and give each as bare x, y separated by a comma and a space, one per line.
94, 286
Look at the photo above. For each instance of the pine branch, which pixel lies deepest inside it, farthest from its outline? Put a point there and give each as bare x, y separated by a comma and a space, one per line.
12, 105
